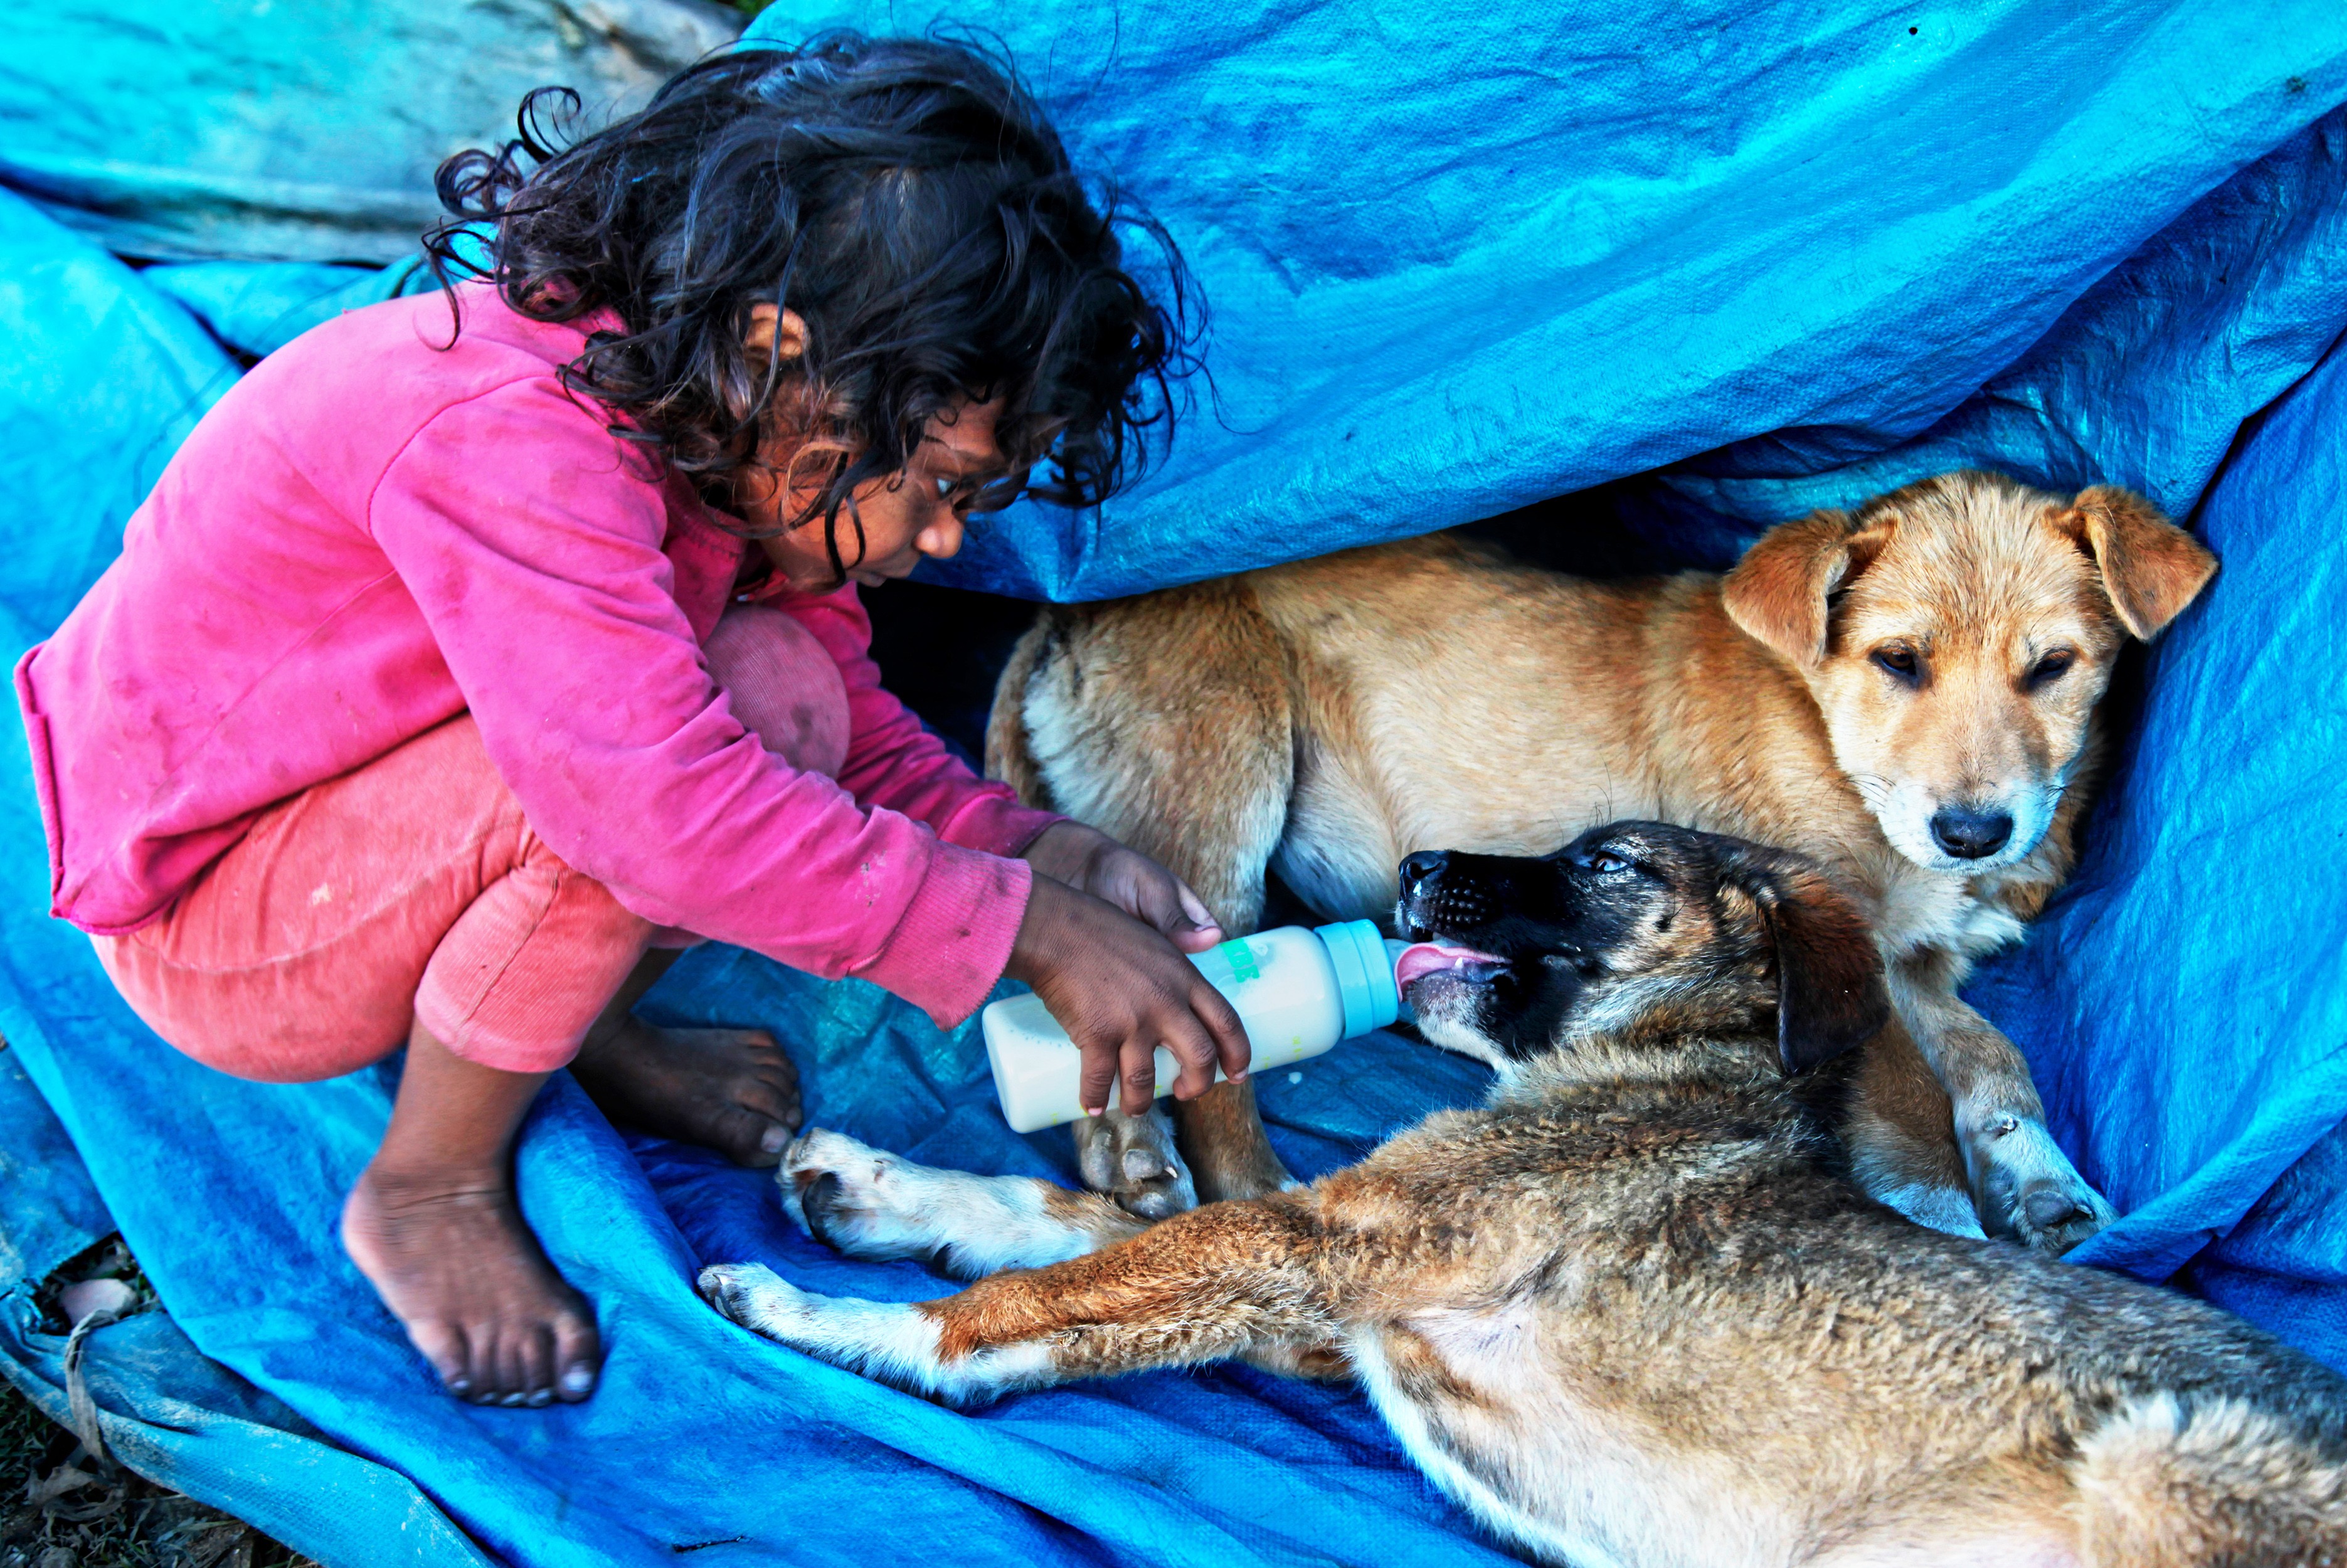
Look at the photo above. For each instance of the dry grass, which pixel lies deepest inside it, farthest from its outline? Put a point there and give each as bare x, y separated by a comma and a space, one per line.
58, 1511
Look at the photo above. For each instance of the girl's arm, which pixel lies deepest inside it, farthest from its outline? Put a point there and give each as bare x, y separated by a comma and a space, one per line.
532, 549
893, 761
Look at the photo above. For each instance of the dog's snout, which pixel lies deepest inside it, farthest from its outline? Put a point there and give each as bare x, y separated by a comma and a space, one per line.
1969, 833
1420, 869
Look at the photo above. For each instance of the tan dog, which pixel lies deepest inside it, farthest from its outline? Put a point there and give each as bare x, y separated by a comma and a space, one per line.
1906, 694
1632, 1311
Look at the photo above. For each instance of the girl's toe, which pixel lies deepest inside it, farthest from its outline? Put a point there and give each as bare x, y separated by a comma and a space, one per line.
443, 1345
578, 1357
482, 1369
512, 1376
742, 1134
535, 1374
766, 1101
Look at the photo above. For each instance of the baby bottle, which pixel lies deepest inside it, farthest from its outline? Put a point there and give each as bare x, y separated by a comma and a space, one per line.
1297, 992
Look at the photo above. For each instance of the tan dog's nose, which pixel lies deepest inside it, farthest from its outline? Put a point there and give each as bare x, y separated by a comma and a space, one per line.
1970, 834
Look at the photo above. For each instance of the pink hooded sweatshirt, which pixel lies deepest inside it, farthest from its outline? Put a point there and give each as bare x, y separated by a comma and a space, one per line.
373, 532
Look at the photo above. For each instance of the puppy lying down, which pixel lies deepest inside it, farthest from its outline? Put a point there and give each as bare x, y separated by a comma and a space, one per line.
1632, 1310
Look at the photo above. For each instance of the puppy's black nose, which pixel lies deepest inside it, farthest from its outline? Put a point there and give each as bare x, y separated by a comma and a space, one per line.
1420, 869
1970, 835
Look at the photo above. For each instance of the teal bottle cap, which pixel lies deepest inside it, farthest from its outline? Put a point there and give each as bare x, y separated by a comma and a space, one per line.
1365, 981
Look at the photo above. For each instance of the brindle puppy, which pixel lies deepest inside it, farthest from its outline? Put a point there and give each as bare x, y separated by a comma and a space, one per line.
1633, 1310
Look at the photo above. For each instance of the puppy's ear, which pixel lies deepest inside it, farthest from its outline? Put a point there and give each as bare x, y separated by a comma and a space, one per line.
1830, 990
1776, 594
2151, 569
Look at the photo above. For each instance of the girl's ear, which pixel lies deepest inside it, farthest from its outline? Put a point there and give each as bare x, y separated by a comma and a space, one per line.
1830, 991
775, 331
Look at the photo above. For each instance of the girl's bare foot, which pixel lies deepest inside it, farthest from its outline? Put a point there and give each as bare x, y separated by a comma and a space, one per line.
732, 1089
451, 1258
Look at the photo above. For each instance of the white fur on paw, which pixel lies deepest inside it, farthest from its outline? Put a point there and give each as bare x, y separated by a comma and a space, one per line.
894, 1342
867, 1205
2026, 1164
867, 1183
753, 1295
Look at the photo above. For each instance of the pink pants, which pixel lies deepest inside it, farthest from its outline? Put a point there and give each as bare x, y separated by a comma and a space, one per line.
412, 890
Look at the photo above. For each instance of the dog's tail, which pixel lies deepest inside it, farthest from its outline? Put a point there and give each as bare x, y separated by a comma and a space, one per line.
2167, 1481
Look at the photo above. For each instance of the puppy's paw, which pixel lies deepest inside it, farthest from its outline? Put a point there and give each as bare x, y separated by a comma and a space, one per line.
892, 1342
858, 1201
756, 1296
1133, 1160
2027, 1190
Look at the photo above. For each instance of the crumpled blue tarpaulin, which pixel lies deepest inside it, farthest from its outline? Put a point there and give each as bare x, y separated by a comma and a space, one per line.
1460, 259
248, 129
1469, 257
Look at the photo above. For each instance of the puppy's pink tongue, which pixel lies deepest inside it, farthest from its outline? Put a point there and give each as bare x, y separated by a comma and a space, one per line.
1433, 958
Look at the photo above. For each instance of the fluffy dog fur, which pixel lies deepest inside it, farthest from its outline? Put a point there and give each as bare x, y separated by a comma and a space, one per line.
1868, 688
1632, 1311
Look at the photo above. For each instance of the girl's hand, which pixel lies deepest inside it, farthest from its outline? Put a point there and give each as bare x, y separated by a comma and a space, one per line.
1092, 862
1122, 989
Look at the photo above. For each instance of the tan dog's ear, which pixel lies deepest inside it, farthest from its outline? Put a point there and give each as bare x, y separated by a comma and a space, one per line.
2151, 569
1776, 594
1830, 992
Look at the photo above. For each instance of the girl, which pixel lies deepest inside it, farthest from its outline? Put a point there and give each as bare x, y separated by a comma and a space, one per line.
460, 671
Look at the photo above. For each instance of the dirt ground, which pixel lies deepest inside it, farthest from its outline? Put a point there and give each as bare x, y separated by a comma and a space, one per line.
59, 1509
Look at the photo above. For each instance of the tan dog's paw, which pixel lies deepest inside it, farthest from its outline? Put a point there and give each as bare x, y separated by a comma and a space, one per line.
2026, 1189
1133, 1160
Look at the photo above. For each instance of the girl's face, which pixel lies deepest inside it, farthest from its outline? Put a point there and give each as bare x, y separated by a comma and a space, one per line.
910, 513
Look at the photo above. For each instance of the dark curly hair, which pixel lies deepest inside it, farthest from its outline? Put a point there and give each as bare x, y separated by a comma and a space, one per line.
906, 198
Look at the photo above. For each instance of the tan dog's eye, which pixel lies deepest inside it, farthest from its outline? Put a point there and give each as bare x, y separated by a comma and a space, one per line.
1900, 662
2051, 668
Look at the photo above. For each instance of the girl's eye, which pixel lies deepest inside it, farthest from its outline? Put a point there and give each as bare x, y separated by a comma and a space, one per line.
2051, 668
945, 490
1900, 662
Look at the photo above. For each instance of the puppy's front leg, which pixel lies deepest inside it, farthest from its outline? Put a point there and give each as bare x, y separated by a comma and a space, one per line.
2024, 1185
1222, 1281
1902, 1140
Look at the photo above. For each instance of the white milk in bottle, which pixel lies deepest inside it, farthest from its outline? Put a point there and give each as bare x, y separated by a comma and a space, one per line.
1297, 990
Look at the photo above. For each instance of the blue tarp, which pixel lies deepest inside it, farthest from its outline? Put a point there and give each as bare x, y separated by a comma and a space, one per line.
247, 130
1728, 261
